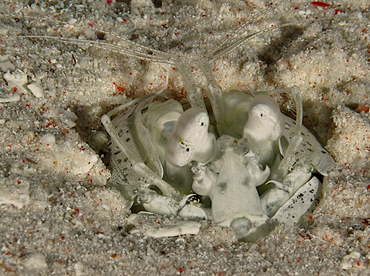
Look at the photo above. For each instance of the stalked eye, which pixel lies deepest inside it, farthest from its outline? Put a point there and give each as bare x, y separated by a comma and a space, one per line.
186, 142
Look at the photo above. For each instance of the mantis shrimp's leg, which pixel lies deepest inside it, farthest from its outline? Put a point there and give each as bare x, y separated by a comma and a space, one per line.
289, 155
139, 166
154, 173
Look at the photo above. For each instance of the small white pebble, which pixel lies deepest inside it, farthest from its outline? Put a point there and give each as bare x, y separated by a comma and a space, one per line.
84, 64
72, 21
48, 139
16, 124
346, 262
30, 134
4, 31
6, 66
359, 15
101, 138
36, 262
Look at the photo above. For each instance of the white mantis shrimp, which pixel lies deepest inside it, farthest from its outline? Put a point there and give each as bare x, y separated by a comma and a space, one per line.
250, 145
241, 153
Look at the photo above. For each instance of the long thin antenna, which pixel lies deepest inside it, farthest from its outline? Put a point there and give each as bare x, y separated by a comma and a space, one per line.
120, 49
251, 19
236, 44
137, 45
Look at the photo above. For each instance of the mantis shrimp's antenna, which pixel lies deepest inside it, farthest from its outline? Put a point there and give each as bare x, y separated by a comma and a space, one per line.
127, 105
138, 47
119, 49
218, 52
144, 53
214, 92
194, 95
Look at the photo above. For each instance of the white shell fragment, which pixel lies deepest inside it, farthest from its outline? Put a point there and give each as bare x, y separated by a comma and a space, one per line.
70, 117
14, 192
12, 98
182, 228
17, 79
36, 89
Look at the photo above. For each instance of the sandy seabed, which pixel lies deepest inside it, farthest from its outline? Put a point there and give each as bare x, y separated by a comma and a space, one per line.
58, 216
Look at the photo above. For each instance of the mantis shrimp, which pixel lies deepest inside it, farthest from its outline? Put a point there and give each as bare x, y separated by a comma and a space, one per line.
242, 154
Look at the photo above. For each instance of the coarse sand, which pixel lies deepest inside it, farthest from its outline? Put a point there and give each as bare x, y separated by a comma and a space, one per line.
58, 216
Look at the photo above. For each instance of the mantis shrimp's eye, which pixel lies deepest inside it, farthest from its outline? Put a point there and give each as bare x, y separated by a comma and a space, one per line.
265, 121
190, 130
